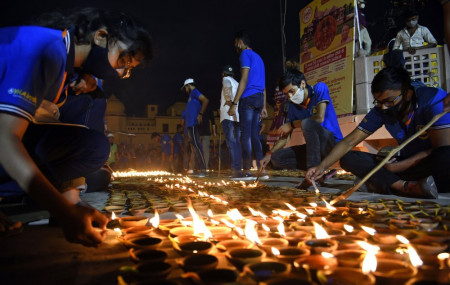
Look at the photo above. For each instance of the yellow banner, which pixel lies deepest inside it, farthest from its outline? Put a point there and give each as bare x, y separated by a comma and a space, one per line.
327, 47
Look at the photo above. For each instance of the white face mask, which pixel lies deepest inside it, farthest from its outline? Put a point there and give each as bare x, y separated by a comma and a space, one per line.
298, 97
412, 24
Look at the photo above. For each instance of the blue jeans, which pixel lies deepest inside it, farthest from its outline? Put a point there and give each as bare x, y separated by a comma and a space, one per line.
196, 147
233, 137
62, 153
249, 111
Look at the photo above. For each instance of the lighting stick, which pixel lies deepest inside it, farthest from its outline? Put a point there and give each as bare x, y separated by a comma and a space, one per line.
350, 191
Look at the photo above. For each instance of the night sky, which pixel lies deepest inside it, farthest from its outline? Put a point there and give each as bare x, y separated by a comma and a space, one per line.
194, 38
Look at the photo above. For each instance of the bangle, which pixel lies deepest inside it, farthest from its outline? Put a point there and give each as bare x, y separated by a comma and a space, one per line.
292, 125
233, 103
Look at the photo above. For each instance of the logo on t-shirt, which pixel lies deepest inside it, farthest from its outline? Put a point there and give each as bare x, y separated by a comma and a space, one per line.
24, 95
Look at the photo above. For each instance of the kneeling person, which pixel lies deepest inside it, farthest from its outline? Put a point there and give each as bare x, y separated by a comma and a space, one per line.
311, 109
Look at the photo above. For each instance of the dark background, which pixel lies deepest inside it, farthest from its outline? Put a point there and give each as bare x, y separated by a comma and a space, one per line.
194, 38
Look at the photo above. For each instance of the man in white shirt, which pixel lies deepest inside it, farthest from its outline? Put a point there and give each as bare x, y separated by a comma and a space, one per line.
230, 124
413, 35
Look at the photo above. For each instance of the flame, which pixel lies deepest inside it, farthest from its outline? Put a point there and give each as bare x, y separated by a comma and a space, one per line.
348, 228
309, 211
210, 213
329, 207
301, 216
326, 254
320, 232
370, 231
413, 256
155, 220
198, 224
266, 228
235, 215
314, 205
227, 223
113, 216
370, 261
118, 231
280, 229
292, 208
275, 251
250, 233
442, 257
253, 212
239, 231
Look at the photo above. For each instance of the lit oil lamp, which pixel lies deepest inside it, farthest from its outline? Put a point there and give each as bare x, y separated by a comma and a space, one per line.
322, 242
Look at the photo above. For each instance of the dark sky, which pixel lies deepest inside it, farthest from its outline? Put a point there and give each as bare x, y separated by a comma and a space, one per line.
194, 38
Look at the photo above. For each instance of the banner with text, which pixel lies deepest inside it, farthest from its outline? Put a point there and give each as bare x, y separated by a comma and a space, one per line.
327, 47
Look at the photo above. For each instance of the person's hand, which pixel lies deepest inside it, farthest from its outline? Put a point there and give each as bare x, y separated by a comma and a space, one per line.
232, 110
264, 113
76, 222
85, 85
285, 129
392, 165
411, 50
6, 224
315, 173
265, 160
199, 118
228, 103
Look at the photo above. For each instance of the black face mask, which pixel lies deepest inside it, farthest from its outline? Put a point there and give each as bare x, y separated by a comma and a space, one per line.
97, 64
397, 110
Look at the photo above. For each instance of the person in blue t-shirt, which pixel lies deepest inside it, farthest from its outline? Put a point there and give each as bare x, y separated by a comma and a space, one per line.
193, 116
177, 150
251, 95
421, 169
311, 109
41, 158
166, 151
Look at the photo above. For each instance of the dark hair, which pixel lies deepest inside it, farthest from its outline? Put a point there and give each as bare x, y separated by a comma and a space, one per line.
292, 76
121, 27
154, 135
228, 70
391, 78
394, 58
244, 36
409, 12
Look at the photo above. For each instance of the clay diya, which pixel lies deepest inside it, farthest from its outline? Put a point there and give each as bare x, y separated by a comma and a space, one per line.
132, 221
239, 257
143, 255
193, 247
261, 271
140, 229
317, 246
425, 247
342, 275
155, 269
294, 237
350, 257
268, 243
348, 242
178, 231
231, 244
114, 209
199, 262
218, 276
142, 242
316, 262
390, 271
289, 279
289, 254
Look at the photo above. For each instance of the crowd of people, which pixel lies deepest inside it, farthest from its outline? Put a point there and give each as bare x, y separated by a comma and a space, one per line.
49, 161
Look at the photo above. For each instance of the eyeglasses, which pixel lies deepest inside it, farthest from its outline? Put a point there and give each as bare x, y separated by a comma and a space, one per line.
387, 103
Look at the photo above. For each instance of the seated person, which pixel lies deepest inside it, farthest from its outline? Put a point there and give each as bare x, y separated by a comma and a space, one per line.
413, 35
311, 109
421, 169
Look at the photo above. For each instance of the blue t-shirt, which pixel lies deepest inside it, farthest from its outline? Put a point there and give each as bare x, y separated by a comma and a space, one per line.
165, 144
32, 66
193, 108
321, 94
429, 102
256, 75
177, 143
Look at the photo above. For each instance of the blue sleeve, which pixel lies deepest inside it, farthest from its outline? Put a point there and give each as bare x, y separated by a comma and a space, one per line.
436, 107
322, 93
371, 122
244, 59
183, 115
291, 113
196, 94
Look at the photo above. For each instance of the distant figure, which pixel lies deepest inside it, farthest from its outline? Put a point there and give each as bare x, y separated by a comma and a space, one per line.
366, 43
204, 130
166, 152
177, 150
412, 37
113, 154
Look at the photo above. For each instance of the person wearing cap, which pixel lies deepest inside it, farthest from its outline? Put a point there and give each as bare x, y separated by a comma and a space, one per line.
311, 109
421, 169
251, 95
113, 155
230, 124
413, 36
193, 116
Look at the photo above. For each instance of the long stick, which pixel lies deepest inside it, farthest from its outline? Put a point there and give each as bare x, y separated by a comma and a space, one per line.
350, 191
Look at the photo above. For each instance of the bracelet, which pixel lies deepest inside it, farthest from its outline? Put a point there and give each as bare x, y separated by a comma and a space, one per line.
292, 125
232, 103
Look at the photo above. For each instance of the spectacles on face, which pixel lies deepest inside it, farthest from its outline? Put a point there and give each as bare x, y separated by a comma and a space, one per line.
387, 103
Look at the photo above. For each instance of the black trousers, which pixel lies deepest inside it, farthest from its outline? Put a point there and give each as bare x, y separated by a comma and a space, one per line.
436, 164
